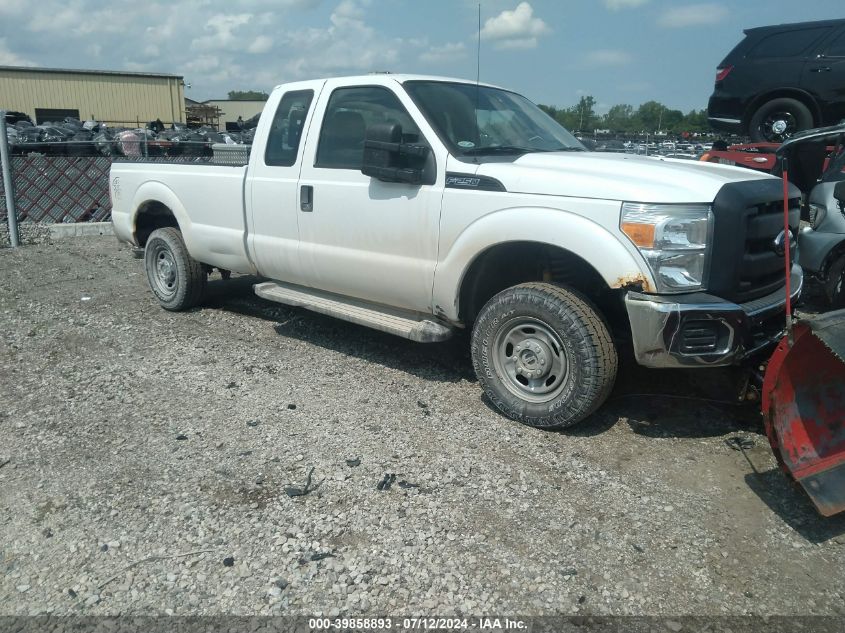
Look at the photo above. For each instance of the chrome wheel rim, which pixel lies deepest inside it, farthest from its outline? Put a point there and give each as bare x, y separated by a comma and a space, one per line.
530, 358
779, 126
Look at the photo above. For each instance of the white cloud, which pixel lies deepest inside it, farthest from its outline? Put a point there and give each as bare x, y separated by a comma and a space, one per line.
260, 44
12, 6
203, 64
693, 15
249, 44
616, 5
348, 10
444, 54
8, 58
607, 57
515, 29
348, 44
222, 28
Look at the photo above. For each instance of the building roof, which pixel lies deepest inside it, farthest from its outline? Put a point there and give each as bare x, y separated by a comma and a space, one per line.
79, 71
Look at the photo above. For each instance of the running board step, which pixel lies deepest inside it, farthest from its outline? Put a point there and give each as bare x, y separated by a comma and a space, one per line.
408, 325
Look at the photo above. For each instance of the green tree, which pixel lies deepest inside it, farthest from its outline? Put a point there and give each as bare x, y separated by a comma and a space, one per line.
248, 95
619, 118
650, 114
673, 120
583, 115
649, 117
550, 110
696, 121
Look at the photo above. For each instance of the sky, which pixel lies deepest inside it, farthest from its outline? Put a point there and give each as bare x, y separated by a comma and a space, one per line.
552, 51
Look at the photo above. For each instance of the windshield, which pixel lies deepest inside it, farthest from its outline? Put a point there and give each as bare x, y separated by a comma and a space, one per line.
475, 120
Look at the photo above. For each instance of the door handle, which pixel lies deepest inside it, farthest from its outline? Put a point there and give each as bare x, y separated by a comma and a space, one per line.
820, 69
306, 198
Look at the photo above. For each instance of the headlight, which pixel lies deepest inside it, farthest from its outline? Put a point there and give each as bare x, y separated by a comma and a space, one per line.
674, 240
816, 213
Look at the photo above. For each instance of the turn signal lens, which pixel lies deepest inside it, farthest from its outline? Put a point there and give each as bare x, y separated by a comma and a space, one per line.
641, 234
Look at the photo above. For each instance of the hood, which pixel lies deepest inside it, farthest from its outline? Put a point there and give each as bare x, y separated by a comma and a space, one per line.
615, 176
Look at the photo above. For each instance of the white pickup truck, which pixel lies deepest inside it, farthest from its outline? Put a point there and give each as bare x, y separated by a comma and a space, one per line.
422, 206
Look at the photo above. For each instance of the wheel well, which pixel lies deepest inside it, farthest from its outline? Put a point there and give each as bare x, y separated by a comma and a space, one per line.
152, 215
512, 263
787, 93
835, 253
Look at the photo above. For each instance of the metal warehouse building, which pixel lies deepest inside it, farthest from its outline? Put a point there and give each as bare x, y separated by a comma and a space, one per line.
129, 98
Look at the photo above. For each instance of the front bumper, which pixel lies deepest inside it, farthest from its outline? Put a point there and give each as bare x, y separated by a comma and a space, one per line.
700, 330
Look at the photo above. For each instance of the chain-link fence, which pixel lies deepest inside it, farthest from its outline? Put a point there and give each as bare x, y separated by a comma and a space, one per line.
70, 188
61, 188
60, 172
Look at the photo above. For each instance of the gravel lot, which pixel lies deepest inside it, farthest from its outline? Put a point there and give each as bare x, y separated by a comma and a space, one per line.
146, 457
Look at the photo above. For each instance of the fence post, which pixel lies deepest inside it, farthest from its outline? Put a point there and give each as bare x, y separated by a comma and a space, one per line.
8, 190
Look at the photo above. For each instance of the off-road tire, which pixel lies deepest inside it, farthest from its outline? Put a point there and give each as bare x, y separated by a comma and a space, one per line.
177, 280
797, 112
583, 337
834, 287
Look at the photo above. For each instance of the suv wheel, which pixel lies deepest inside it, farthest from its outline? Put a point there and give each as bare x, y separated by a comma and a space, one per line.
778, 119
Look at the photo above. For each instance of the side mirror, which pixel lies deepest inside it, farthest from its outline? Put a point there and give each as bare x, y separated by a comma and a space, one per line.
388, 159
839, 193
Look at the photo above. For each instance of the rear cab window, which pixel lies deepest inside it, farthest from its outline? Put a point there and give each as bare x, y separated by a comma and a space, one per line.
286, 129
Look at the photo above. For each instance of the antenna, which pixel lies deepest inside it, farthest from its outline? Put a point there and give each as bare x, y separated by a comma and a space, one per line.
478, 50
478, 75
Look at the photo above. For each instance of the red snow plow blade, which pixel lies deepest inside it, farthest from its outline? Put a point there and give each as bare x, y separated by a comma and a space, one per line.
804, 408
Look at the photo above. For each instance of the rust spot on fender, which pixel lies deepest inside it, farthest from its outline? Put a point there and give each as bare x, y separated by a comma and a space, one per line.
635, 281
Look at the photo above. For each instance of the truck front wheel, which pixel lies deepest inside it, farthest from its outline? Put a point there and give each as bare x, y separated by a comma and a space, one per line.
543, 355
177, 280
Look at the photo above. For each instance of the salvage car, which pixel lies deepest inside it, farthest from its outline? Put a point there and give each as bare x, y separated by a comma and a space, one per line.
425, 206
780, 80
816, 165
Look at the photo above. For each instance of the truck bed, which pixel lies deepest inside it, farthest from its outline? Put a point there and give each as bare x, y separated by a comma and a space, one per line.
214, 230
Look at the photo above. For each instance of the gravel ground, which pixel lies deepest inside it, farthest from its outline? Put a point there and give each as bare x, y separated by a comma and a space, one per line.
148, 456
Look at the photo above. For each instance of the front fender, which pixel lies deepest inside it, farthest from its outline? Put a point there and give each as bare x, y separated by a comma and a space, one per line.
612, 259
814, 248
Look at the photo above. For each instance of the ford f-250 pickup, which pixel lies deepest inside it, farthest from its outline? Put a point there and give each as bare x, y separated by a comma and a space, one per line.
421, 206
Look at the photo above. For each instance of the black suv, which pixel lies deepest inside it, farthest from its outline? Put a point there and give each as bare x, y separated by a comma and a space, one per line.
780, 80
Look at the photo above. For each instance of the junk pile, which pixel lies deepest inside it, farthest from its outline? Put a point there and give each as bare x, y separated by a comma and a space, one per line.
72, 137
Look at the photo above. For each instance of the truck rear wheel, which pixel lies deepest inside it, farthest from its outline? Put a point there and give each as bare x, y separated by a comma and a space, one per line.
177, 280
543, 355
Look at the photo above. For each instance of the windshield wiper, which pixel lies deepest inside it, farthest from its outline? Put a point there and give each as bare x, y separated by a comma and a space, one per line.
497, 149
514, 149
